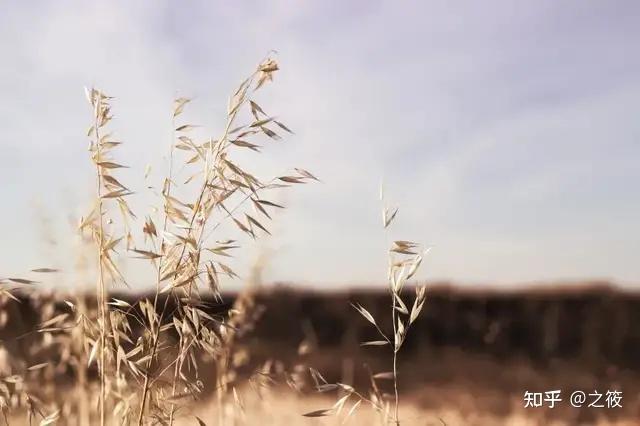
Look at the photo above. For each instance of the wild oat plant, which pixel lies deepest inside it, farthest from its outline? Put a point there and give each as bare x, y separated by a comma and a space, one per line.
405, 258
149, 376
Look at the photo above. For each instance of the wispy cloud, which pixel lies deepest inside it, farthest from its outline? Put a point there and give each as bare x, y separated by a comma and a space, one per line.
506, 132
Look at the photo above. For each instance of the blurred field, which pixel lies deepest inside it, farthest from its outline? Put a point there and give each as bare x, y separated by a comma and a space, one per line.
468, 360
284, 410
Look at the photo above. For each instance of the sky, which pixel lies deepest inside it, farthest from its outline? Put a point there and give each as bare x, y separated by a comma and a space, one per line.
506, 132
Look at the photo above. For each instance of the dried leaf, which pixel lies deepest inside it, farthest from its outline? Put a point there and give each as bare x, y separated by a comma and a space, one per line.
179, 105
54, 320
401, 307
119, 303
270, 133
110, 165
306, 174
256, 223
415, 310
291, 179
261, 123
147, 254
38, 366
269, 203
45, 270
388, 219
388, 375
318, 413
94, 350
246, 144
375, 343
117, 194
23, 281
283, 127
185, 128
113, 181
255, 108
365, 313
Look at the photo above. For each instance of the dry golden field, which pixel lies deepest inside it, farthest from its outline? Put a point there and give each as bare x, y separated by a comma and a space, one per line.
456, 368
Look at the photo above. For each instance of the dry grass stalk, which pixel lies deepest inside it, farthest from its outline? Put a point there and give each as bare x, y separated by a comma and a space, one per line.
108, 189
405, 258
182, 252
147, 376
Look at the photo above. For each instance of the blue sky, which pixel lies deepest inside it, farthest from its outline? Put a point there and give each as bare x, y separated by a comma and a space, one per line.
507, 132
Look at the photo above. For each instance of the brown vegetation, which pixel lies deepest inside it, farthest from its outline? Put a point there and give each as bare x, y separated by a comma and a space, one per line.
470, 356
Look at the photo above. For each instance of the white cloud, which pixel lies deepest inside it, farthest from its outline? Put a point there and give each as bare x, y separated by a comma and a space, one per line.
487, 121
